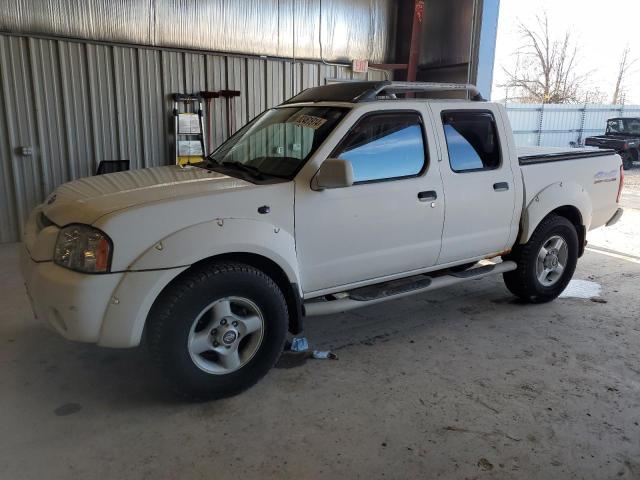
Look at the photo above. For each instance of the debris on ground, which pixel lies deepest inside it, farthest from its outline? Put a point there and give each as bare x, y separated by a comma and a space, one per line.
598, 300
300, 344
324, 355
485, 464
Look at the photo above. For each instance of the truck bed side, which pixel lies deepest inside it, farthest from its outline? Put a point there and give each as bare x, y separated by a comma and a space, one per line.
586, 179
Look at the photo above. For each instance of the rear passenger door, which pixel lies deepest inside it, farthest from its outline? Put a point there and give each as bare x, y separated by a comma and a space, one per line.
478, 183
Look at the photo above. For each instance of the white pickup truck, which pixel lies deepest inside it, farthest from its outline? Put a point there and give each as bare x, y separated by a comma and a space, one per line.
344, 196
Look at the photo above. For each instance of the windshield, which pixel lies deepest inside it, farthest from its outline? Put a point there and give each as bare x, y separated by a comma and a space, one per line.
623, 126
278, 142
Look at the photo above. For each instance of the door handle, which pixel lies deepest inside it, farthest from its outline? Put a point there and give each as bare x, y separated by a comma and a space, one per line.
427, 196
501, 186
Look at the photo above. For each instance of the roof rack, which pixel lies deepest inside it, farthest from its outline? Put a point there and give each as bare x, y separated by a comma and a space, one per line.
427, 87
357, 92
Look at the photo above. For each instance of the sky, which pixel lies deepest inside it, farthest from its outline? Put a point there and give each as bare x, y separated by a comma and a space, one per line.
600, 28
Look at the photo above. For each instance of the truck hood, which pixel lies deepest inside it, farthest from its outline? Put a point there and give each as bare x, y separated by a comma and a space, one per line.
87, 199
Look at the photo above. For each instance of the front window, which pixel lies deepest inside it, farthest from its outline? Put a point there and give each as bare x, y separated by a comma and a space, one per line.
384, 146
277, 143
623, 126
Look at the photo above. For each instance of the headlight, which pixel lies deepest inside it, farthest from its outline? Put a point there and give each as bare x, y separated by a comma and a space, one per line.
83, 248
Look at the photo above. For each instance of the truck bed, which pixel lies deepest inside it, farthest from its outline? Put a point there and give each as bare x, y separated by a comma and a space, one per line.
532, 155
591, 170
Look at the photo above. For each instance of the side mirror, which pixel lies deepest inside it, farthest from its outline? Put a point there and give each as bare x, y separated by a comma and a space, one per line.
334, 173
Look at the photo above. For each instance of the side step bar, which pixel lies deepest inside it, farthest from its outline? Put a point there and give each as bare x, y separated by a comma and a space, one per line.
372, 294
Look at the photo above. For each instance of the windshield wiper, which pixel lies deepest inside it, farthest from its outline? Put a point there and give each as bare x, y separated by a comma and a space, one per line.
256, 172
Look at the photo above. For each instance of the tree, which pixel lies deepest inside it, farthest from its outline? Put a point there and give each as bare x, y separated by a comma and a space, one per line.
594, 95
546, 68
625, 64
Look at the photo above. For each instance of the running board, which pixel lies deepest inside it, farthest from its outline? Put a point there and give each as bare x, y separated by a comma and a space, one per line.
373, 294
474, 272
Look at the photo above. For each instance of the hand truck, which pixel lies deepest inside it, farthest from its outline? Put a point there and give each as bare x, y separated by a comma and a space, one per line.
189, 128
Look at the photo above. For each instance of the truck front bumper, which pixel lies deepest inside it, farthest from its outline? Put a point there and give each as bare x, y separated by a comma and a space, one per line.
616, 216
72, 303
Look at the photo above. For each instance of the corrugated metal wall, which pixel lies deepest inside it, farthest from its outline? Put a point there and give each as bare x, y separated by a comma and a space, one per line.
552, 125
347, 29
447, 32
77, 103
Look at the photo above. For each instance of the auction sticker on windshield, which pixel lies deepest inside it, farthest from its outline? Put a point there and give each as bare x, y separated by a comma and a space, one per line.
308, 121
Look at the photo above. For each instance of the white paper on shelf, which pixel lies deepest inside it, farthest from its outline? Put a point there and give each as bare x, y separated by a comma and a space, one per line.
188, 148
188, 123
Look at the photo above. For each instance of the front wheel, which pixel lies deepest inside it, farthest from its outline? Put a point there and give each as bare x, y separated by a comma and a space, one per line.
546, 262
218, 329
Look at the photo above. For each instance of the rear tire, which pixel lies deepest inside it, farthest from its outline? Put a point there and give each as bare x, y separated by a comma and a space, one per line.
546, 262
217, 330
627, 160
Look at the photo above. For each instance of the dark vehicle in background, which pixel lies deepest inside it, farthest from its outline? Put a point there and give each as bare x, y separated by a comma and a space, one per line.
623, 136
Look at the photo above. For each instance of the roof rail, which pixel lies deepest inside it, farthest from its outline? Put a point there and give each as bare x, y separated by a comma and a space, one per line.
367, 91
393, 88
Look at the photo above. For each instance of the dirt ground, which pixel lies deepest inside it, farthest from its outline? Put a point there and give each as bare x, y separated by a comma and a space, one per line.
465, 382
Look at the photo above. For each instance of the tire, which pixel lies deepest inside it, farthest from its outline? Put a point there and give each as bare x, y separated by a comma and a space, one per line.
205, 316
526, 282
627, 160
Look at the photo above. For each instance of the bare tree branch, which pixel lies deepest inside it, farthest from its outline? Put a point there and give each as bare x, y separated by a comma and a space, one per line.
625, 64
546, 68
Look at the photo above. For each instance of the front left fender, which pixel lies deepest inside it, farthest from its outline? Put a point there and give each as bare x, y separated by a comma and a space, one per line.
127, 312
222, 236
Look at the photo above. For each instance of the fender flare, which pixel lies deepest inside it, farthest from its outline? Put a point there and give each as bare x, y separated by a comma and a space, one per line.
550, 198
162, 262
228, 235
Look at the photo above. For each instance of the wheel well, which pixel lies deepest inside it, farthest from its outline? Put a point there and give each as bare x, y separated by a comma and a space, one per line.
273, 270
572, 214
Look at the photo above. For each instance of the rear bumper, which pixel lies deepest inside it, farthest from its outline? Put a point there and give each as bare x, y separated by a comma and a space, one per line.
72, 303
616, 216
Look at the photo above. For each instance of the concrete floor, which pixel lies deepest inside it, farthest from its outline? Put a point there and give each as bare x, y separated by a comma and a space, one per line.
461, 383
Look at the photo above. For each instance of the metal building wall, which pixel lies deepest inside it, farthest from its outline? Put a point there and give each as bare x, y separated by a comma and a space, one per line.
457, 42
565, 125
77, 103
283, 28
484, 51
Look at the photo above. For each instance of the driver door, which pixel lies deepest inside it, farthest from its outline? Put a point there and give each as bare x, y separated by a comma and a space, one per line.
390, 221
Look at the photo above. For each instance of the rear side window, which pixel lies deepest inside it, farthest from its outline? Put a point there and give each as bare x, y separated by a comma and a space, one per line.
472, 141
384, 146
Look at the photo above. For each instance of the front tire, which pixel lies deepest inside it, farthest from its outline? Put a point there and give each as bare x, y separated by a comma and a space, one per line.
218, 329
546, 262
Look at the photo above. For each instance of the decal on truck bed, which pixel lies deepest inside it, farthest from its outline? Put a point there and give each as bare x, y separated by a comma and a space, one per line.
602, 177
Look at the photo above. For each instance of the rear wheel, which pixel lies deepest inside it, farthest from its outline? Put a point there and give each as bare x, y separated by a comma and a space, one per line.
218, 330
546, 262
627, 160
